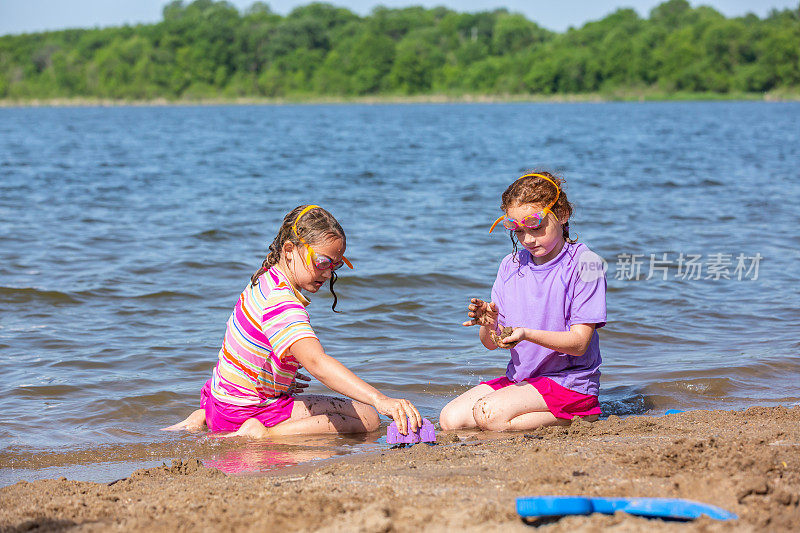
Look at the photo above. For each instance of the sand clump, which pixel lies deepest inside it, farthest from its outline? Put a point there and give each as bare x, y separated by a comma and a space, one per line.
746, 462
499, 338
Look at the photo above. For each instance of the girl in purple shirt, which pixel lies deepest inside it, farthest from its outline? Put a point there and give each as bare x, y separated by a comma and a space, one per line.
552, 292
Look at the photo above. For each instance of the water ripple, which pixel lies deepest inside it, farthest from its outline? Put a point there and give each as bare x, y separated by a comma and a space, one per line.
128, 234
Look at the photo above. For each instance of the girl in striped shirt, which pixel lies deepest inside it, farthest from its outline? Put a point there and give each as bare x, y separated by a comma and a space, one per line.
253, 388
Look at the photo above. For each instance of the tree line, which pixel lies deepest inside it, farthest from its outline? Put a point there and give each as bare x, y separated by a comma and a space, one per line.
209, 49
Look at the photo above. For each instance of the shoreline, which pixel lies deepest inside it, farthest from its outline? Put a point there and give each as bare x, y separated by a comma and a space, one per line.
746, 462
9, 103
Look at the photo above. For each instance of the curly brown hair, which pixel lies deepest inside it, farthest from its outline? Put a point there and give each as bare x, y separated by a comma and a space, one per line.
533, 189
315, 226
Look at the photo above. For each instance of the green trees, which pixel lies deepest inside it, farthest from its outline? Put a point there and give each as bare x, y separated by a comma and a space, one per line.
358, 65
417, 58
207, 48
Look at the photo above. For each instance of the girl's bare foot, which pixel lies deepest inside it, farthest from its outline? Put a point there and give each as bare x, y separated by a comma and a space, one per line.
195, 422
251, 428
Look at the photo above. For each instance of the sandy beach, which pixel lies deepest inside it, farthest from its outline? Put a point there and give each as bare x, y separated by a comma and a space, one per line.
744, 461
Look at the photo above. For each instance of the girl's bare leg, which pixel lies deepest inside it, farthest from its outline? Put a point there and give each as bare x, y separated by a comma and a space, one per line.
315, 414
194, 422
458, 413
514, 408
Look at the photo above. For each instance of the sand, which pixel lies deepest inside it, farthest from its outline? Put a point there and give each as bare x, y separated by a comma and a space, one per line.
747, 462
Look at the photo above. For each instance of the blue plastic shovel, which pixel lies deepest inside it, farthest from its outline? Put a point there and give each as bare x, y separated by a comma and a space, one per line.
671, 508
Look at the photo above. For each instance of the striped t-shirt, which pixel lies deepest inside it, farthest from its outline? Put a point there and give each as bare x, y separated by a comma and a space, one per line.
254, 365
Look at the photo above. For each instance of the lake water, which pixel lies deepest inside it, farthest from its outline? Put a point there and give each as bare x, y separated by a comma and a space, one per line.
128, 233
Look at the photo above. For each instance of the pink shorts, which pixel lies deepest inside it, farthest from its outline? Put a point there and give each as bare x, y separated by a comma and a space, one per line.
562, 402
222, 416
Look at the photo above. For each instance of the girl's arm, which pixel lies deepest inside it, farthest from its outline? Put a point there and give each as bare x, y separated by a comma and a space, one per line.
484, 334
572, 342
337, 377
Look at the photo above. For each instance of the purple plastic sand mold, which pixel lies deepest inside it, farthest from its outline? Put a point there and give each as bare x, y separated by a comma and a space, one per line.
426, 433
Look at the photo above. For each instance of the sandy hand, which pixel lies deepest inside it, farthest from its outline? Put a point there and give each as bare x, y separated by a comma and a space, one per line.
402, 412
297, 387
481, 314
508, 337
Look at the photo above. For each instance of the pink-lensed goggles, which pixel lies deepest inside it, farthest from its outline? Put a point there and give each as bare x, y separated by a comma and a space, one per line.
320, 262
323, 262
533, 221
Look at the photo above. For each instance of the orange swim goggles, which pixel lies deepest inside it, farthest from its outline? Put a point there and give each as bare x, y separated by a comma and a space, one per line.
533, 221
321, 262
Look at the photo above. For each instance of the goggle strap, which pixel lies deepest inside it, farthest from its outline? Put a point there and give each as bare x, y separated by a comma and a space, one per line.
496, 222
294, 229
558, 189
347, 262
296, 220
558, 193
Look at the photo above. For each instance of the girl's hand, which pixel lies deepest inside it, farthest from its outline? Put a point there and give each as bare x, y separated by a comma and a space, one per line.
402, 412
297, 387
481, 314
519, 334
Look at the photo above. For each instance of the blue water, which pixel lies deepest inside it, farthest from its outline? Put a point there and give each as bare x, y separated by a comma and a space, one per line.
128, 233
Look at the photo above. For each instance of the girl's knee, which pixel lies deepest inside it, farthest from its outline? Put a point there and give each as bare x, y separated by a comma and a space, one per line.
252, 427
251, 423
198, 417
446, 424
450, 418
370, 419
367, 414
487, 417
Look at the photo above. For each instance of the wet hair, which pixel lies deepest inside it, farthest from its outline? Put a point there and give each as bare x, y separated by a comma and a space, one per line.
535, 190
315, 227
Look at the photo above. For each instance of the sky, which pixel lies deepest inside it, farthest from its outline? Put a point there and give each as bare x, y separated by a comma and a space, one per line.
24, 16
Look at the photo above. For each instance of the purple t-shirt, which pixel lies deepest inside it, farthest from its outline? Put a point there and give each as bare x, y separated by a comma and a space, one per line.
570, 289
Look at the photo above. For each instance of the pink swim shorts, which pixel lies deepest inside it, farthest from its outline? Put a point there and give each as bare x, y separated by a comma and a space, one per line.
562, 402
227, 417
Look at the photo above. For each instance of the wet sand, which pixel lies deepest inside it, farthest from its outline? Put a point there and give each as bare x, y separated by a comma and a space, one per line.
747, 462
